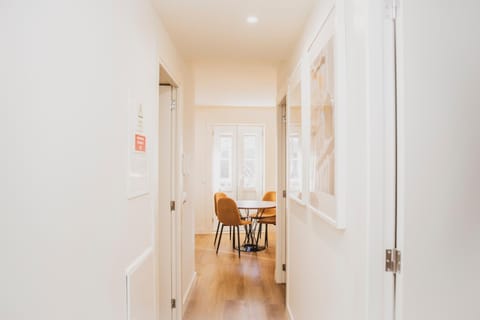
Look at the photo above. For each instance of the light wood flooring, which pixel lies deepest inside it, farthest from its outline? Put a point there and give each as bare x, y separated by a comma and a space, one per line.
235, 288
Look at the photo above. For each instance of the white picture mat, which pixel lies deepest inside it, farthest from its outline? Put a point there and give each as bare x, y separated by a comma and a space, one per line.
331, 207
295, 83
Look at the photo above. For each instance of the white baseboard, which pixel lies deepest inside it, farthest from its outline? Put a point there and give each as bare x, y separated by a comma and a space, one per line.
279, 275
188, 293
290, 316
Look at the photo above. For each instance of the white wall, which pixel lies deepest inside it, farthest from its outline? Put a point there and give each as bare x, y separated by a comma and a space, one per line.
69, 70
234, 83
205, 118
328, 269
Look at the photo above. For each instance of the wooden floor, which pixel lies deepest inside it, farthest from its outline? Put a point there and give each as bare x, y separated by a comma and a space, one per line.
235, 289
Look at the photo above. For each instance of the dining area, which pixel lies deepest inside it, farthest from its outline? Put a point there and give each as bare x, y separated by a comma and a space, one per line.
230, 287
249, 217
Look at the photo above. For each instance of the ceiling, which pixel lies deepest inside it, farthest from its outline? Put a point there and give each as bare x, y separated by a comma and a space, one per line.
217, 29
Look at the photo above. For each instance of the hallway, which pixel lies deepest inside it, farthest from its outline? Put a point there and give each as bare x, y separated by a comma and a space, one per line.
367, 117
235, 289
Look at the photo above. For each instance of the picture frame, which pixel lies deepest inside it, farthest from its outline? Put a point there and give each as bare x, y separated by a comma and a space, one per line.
294, 137
325, 140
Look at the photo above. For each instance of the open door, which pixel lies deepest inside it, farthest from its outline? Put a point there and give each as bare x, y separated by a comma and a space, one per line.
280, 254
164, 215
166, 222
438, 226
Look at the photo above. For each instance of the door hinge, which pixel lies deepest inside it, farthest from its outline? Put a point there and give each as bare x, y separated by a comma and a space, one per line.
284, 267
172, 205
174, 303
284, 193
391, 7
393, 260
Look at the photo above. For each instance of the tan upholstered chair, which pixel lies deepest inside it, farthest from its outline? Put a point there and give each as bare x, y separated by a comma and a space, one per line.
266, 216
264, 213
229, 215
217, 196
265, 221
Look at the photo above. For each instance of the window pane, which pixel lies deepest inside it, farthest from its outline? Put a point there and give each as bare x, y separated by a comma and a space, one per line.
249, 174
224, 169
225, 148
250, 146
250, 156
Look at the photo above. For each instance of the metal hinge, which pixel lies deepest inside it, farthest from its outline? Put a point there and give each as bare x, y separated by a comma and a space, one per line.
172, 205
284, 267
393, 260
174, 303
284, 193
391, 7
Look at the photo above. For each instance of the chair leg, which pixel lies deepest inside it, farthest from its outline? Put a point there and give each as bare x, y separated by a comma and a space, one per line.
216, 234
231, 232
238, 237
259, 233
266, 236
220, 238
233, 242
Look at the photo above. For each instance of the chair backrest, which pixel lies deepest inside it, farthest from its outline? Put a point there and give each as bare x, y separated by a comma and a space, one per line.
217, 196
228, 213
270, 196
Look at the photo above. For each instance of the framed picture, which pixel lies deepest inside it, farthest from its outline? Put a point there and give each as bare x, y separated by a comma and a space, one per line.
325, 140
295, 158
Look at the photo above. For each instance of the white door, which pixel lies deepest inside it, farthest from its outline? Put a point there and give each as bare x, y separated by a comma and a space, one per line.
166, 189
238, 165
280, 253
439, 160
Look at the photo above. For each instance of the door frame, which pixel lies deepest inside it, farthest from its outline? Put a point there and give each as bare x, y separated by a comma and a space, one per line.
166, 78
281, 133
381, 158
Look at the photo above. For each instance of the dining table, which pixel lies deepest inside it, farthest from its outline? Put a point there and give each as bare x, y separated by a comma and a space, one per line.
251, 244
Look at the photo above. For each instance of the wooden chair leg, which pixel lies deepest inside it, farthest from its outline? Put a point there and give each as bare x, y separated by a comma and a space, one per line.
216, 234
220, 238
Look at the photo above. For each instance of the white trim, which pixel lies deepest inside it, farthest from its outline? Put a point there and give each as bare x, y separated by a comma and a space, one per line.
188, 292
289, 313
128, 273
301, 202
320, 29
138, 261
325, 217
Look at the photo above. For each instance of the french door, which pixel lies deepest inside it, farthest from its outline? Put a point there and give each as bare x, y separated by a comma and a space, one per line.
238, 161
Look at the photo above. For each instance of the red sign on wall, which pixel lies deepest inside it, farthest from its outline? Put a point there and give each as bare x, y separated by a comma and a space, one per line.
140, 143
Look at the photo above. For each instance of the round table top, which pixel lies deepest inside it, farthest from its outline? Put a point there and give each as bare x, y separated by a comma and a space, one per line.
255, 204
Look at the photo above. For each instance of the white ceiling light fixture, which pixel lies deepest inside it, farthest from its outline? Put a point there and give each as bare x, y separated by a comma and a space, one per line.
252, 19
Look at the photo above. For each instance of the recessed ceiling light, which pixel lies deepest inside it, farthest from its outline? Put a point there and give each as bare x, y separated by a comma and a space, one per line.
252, 19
